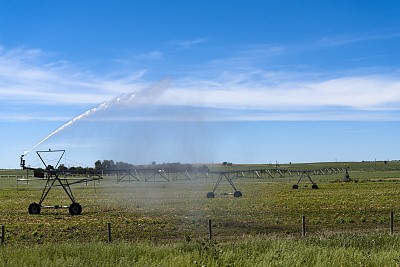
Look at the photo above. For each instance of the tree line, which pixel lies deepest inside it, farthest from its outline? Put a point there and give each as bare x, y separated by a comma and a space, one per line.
110, 165
177, 166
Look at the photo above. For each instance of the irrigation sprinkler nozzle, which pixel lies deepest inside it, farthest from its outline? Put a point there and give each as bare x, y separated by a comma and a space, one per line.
22, 163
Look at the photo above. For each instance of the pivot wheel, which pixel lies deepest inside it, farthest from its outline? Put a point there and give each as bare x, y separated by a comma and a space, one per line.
237, 194
34, 208
314, 186
295, 186
75, 209
210, 195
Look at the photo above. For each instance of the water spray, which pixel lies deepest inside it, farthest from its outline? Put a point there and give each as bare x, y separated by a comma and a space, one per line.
121, 99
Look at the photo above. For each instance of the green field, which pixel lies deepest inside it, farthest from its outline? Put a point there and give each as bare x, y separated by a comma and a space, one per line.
169, 220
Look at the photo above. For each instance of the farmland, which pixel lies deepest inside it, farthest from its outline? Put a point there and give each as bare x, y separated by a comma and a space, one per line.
174, 215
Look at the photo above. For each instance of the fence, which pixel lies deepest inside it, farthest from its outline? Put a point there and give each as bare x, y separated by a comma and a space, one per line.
210, 229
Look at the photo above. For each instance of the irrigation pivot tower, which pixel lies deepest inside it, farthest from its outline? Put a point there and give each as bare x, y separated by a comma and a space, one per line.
51, 174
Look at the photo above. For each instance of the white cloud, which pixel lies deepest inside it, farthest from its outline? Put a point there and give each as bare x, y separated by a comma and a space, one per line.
347, 39
248, 94
26, 75
32, 116
363, 92
135, 58
187, 44
153, 55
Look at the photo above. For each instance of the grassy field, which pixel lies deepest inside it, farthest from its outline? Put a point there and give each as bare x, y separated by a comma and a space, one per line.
159, 223
256, 251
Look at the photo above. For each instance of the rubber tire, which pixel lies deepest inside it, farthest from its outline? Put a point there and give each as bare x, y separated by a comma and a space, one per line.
34, 208
75, 209
314, 186
210, 195
237, 194
295, 186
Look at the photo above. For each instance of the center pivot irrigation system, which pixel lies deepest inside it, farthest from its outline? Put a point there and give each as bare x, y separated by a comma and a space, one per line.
52, 177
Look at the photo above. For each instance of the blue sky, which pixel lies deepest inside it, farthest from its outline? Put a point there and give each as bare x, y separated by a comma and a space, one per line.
200, 81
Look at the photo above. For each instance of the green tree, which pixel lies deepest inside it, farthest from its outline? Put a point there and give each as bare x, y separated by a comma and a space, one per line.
98, 165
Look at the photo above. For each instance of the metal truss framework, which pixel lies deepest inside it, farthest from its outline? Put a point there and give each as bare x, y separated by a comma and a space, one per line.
227, 176
52, 177
147, 175
174, 175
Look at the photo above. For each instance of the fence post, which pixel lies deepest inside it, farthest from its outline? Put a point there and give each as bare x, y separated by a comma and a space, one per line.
209, 230
109, 232
391, 222
303, 226
2, 235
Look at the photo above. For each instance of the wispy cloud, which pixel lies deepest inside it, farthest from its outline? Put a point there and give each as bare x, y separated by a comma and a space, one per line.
330, 41
222, 94
134, 58
372, 97
153, 55
250, 55
363, 92
187, 44
26, 75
